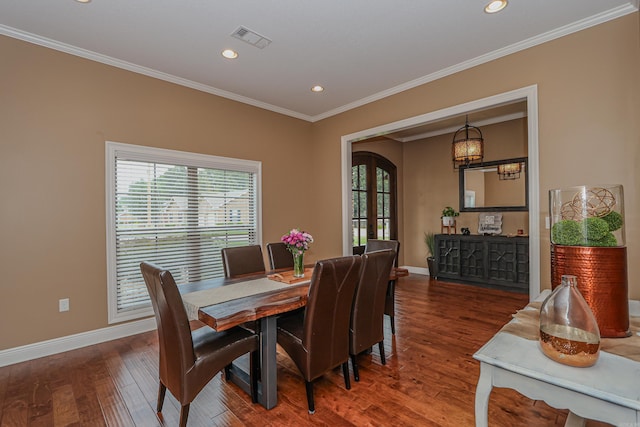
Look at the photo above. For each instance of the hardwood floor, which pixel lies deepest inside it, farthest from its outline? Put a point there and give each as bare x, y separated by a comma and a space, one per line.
429, 379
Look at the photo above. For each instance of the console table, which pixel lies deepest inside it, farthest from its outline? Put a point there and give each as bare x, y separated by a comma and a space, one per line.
499, 261
609, 391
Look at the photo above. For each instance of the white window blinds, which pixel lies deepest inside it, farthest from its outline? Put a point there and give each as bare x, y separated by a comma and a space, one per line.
176, 210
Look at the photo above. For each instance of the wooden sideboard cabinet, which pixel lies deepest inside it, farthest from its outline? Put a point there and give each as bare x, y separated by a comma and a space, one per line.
495, 261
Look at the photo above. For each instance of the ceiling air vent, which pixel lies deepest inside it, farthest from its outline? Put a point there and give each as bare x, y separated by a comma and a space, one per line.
251, 37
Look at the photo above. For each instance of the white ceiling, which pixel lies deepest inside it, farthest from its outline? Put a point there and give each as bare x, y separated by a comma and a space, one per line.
359, 50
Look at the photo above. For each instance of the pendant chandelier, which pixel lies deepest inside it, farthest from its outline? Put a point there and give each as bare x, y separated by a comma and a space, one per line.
509, 171
467, 146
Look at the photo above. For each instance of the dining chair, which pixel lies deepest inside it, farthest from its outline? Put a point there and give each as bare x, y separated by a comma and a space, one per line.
367, 314
317, 338
390, 300
242, 260
279, 256
190, 359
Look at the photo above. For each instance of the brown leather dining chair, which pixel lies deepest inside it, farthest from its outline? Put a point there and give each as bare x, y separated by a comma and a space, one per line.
190, 359
317, 339
242, 260
390, 301
367, 314
279, 256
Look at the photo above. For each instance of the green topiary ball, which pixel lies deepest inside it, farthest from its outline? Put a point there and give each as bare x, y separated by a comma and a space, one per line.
614, 220
567, 232
594, 228
608, 240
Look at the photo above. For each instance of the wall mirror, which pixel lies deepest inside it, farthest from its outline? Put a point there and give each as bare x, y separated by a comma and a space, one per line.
483, 189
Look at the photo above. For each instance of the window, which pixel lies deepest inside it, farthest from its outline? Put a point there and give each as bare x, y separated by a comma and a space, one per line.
177, 210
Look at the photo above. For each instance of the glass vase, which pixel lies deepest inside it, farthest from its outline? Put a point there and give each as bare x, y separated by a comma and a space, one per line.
569, 331
587, 216
298, 264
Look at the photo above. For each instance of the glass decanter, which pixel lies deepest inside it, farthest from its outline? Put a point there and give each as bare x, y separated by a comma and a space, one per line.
569, 332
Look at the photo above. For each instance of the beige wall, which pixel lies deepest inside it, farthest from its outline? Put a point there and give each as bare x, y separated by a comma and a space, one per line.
56, 113
57, 110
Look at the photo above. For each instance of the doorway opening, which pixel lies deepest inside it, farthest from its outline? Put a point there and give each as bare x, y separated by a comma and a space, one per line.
528, 94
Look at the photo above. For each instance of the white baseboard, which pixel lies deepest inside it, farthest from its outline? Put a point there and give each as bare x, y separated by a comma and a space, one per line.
83, 339
71, 342
417, 270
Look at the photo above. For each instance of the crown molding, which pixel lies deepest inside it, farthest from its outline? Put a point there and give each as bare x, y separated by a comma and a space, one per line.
482, 59
104, 59
516, 47
444, 131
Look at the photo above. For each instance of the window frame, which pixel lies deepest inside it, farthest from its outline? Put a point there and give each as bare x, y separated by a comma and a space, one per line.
167, 156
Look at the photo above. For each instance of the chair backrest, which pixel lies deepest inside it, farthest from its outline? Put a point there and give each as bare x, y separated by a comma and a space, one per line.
241, 260
367, 314
374, 245
279, 256
174, 334
325, 334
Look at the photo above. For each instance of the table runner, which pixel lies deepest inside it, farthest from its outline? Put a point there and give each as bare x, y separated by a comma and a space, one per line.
194, 300
526, 324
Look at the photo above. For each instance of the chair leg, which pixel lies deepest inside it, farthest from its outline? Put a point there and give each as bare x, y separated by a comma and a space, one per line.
345, 373
254, 364
184, 414
227, 372
381, 348
393, 325
354, 363
309, 386
161, 392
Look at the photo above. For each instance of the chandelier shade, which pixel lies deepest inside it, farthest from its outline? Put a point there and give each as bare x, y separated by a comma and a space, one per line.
508, 171
467, 146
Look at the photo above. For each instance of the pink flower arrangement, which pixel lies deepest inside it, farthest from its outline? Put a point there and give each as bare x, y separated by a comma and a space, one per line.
297, 241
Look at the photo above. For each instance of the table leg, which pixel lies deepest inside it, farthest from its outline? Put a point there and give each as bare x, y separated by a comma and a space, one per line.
574, 420
483, 390
238, 372
268, 395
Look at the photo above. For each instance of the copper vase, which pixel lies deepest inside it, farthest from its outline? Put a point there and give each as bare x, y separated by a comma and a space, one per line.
602, 280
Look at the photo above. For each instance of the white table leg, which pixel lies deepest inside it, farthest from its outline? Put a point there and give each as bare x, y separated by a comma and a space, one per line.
574, 420
483, 390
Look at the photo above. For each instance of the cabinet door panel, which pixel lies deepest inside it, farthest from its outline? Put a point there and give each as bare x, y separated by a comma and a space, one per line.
448, 257
502, 261
472, 265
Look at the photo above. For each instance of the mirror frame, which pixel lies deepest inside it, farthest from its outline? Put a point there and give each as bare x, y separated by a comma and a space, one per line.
494, 208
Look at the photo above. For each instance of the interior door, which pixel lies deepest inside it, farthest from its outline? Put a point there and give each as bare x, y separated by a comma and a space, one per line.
374, 216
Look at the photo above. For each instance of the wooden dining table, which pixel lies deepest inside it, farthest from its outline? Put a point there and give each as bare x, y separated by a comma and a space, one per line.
262, 307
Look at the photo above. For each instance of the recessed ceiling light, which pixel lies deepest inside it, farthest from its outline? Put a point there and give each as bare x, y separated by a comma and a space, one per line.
317, 88
230, 54
495, 6
83, 1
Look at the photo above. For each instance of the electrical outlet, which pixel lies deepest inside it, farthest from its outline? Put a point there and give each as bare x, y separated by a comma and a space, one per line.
63, 304
547, 223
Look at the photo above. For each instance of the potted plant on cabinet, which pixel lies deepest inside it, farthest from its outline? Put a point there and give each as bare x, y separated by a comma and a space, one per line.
448, 216
430, 241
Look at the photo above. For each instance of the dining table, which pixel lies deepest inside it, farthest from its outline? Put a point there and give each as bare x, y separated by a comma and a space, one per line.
224, 303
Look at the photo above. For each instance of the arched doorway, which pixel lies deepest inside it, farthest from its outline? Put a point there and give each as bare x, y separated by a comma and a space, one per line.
374, 195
